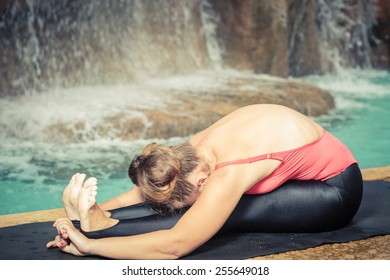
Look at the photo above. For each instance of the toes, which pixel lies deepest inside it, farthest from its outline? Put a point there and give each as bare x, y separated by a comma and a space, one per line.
89, 188
73, 178
88, 192
92, 200
92, 193
90, 181
80, 179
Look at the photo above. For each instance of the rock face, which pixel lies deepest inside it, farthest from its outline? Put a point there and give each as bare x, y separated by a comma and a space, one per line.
298, 38
381, 30
327, 35
46, 43
254, 35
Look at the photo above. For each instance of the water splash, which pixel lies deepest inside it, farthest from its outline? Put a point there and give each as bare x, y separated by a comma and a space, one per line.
103, 113
354, 83
27, 117
344, 33
353, 90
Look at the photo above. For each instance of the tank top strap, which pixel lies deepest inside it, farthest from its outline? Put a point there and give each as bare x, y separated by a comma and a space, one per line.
248, 160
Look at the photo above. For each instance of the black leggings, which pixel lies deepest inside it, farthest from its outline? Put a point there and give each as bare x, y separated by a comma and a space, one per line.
296, 206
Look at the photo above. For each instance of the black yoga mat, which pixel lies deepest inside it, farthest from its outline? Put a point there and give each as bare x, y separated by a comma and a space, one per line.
26, 242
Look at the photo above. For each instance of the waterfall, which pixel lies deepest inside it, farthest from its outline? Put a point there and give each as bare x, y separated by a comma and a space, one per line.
331, 35
49, 45
209, 23
344, 33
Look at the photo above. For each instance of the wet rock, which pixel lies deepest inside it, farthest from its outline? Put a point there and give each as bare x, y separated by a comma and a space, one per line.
254, 35
194, 112
325, 36
188, 110
381, 31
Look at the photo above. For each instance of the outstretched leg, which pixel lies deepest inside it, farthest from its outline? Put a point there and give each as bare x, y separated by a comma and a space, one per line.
92, 217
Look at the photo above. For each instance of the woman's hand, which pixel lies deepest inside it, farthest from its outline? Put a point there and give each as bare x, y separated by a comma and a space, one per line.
57, 242
69, 240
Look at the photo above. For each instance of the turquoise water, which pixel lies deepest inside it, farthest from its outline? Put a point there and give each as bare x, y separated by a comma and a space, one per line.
367, 133
362, 115
33, 172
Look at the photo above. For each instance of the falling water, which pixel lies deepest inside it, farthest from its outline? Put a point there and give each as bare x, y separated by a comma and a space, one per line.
331, 35
49, 45
344, 33
210, 22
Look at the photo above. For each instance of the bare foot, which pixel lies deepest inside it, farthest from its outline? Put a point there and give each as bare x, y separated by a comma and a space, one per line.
70, 194
92, 217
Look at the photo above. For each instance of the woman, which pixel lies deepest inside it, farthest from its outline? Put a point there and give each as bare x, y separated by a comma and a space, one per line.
260, 168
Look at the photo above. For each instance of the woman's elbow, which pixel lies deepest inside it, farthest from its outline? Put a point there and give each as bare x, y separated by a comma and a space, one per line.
178, 248
177, 251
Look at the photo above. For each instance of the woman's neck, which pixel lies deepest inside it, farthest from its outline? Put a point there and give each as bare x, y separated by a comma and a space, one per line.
207, 159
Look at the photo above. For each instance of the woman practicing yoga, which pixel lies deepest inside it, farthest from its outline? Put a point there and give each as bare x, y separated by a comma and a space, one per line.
262, 168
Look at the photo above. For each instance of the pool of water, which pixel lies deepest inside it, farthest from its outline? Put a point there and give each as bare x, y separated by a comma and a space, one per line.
362, 114
33, 173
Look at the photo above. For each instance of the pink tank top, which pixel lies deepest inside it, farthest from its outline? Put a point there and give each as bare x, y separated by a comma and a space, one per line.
320, 160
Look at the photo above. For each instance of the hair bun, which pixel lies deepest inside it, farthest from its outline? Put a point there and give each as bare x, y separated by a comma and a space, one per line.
150, 148
135, 165
161, 173
139, 161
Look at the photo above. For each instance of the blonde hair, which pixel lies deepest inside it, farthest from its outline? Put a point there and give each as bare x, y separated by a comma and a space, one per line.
161, 174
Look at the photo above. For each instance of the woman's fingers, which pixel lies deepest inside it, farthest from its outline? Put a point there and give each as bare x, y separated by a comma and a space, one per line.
61, 225
59, 242
62, 239
53, 243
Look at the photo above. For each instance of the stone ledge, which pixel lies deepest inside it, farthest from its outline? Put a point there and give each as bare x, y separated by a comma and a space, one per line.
377, 173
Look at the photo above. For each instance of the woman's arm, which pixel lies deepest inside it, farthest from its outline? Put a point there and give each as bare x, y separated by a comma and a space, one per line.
198, 225
130, 197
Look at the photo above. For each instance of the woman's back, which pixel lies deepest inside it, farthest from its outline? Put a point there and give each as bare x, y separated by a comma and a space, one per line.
255, 130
